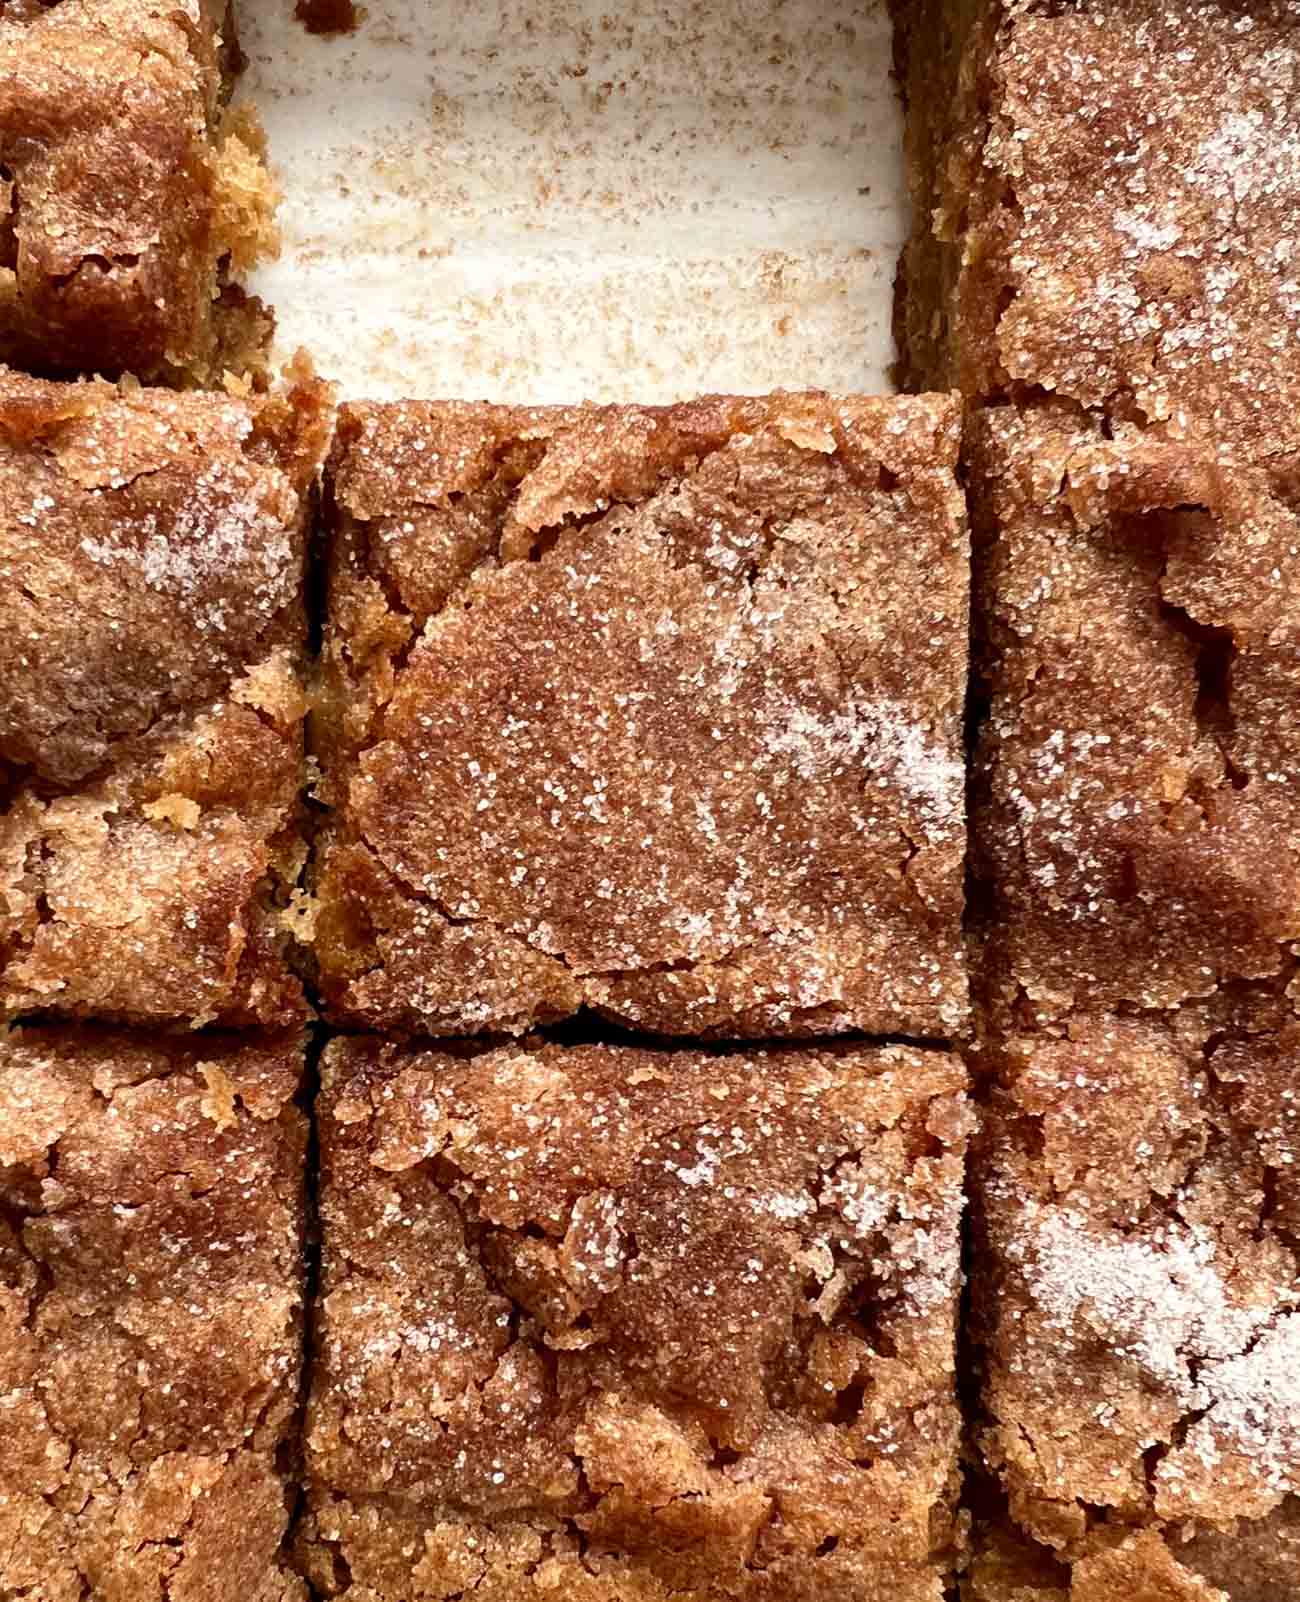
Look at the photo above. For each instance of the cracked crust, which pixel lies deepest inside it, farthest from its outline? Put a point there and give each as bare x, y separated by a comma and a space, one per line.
151, 1219
654, 711
126, 193
1256, 1562
151, 716
607, 1322
1138, 1302
1137, 812
1071, 240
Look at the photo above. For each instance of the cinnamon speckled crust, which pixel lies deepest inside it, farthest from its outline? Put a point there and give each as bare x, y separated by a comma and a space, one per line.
151, 1217
603, 1322
1136, 1289
124, 196
1105, 194
1138, 779
1253, 1562
652, 710
151, 714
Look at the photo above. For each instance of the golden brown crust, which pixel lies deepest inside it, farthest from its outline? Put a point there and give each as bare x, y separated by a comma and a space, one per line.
1138, 817
1137, 1299
151, 1217
656, 711
124, 198
1107, 198
151, 630
624, 1322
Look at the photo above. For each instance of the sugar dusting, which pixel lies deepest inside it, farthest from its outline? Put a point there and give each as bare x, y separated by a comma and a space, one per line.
883, 737
1154, 252
1162, 1302
1253, 1406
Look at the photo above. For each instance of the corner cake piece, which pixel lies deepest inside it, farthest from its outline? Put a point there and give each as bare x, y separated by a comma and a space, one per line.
603, 1322
1136, 1290
656, 711
151, 715
151, 1219
1137, 812
128, 194
1105, 194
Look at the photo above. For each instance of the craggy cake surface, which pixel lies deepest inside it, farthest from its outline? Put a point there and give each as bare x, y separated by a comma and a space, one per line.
1137, 1296
656, 711
1107, 192
151, 1212
605, 1322
151, 624
124, 198
1138, 609
1255, 1562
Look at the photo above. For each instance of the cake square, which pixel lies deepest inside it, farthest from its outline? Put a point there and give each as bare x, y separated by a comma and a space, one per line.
652, 711
151, 712
1137, 793
1136, 1284
151, 1285
1104, 194
128, 195
603, 1321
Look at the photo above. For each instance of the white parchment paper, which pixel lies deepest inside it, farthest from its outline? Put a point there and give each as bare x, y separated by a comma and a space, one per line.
542, 200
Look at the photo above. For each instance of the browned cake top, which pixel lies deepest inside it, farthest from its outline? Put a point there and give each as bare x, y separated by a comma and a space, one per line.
151, 549
657, 710
1140, 1193
1139, 817
150, 1293
650, 1296
1257, 1561
151, 710
118, 198
1136, 211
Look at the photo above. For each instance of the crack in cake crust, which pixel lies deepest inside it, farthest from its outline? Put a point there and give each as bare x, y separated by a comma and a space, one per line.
1137, 1316
151, 711
637, 697
151, 1218
1070, 243
626, 1322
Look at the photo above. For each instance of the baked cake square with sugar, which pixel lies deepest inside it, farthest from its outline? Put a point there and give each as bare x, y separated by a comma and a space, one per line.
151, 1284
151, 711
1105, 195
1136, 1283
1137, 812
602, 1322
128, 196
652, 711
